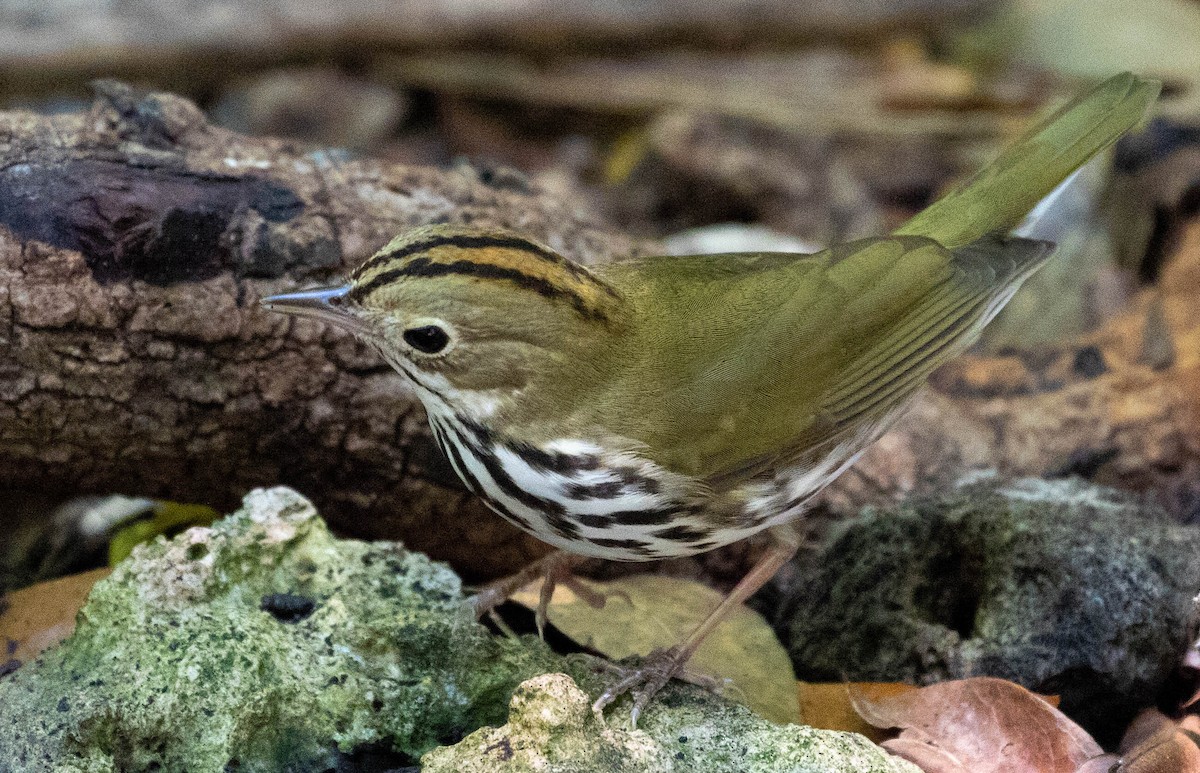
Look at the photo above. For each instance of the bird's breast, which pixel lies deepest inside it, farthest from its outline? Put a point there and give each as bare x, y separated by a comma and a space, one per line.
584, 497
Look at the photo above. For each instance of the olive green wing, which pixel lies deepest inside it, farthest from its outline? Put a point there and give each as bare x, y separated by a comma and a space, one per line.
957, 293
743, 362
756, 360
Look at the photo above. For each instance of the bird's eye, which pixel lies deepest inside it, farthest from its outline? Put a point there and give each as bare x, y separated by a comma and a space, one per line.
429, 339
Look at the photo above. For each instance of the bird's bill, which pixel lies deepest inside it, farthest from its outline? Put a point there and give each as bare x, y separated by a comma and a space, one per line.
326, 303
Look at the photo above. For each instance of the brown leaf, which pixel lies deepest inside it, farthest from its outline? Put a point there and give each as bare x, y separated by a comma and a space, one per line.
1144, 728
1173, 753
1154, 743
827, 705
42, 615
979, 725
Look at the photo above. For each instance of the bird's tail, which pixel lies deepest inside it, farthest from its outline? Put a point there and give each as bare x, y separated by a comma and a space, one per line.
1004, 191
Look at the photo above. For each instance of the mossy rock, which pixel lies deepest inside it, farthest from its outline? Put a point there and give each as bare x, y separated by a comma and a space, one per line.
262, 643
1065, 587
551, 729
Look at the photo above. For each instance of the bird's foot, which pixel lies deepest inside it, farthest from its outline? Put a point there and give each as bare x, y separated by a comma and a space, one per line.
644, 680
553, 569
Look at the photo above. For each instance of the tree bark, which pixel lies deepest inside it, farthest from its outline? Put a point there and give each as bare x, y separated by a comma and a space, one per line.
134, 357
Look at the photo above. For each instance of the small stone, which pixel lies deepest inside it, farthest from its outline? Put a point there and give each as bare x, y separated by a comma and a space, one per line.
1065, 587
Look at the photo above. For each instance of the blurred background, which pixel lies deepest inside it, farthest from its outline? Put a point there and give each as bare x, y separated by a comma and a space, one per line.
819, 120
709, 126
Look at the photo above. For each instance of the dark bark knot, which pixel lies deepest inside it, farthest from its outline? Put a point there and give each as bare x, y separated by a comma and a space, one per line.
160, 225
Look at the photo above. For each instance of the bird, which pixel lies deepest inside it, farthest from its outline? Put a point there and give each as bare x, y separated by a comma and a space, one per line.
658, 407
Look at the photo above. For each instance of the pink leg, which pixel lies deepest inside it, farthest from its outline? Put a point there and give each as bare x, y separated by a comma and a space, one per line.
659, 666
553, 569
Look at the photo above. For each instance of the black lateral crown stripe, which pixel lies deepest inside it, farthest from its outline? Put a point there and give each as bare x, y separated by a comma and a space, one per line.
467, 241
423, 267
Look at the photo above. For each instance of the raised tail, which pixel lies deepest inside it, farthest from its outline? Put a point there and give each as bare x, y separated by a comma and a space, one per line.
1004, 191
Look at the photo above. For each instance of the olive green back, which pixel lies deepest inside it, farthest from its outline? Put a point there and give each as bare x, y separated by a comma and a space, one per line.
740, 361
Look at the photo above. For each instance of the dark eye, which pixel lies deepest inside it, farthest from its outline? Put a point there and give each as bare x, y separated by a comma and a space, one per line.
430, 339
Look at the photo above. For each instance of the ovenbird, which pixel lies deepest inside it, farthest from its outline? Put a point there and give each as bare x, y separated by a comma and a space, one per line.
659, 407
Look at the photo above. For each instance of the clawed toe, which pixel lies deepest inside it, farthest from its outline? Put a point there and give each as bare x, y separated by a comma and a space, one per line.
642, 682
596, 599
487, 599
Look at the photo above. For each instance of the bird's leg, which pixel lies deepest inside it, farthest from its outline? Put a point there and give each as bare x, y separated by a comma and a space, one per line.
658, 667
553, 569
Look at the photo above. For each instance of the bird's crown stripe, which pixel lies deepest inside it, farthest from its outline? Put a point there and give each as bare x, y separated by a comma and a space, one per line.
402, 250
502, 258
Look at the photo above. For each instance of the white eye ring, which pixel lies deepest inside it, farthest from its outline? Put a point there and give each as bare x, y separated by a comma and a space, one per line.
429, 337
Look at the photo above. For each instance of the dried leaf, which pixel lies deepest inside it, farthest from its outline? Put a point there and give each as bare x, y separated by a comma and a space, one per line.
827, 705
1154, 743
1174, 753
647, 612
1144, 728
42, 615
979, 725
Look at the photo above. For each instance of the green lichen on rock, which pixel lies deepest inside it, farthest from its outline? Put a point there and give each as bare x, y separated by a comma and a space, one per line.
551, 729
262, 643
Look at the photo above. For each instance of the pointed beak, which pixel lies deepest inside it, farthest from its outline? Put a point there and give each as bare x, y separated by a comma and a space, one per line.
327, 303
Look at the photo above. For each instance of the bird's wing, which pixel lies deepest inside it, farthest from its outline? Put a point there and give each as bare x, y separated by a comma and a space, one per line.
959, 292
743, 361
752, 360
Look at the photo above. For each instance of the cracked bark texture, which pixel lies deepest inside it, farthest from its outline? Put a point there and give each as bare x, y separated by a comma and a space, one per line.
137, 239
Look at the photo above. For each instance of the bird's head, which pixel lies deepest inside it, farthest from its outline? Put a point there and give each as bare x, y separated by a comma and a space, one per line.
469, 315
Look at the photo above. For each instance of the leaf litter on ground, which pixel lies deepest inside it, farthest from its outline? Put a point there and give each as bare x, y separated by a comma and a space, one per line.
989, 725
647, 612
979, 725
38, 617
